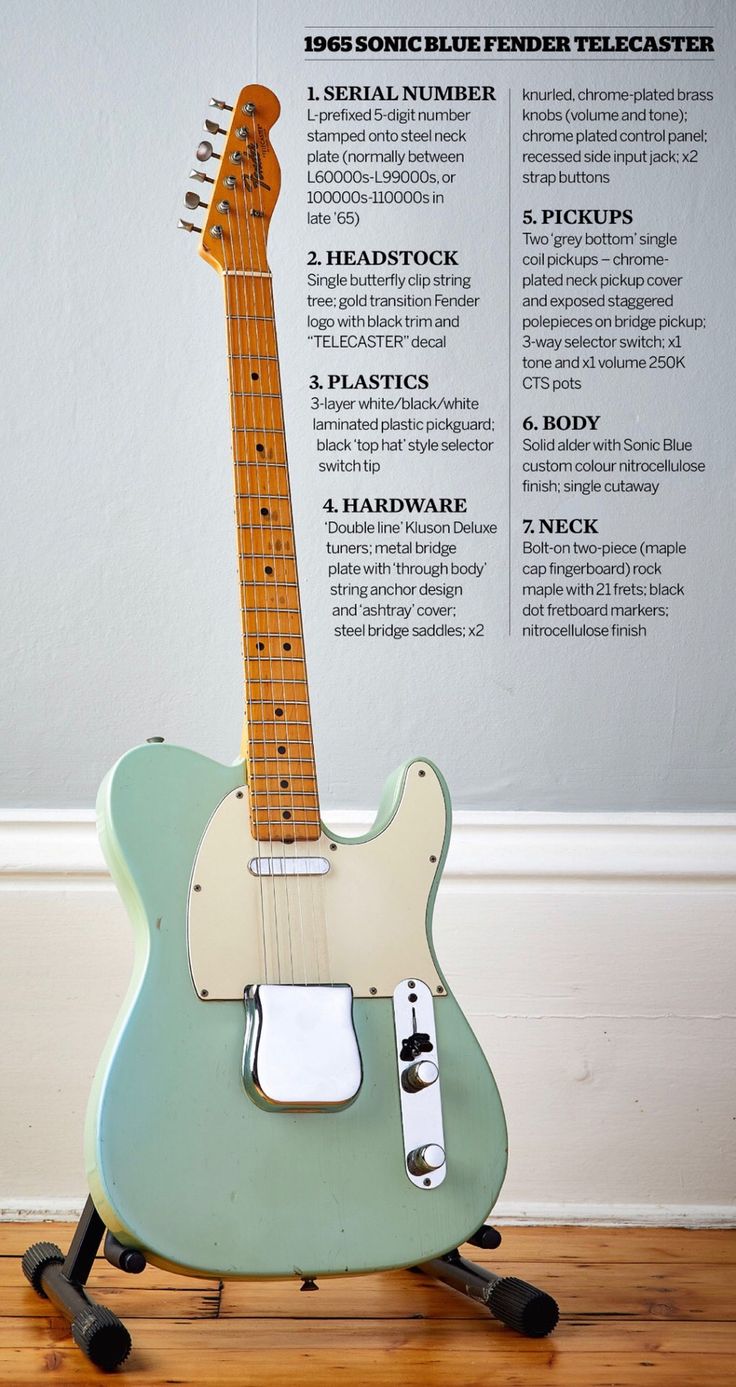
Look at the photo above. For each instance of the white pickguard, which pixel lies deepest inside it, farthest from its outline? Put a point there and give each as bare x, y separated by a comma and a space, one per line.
364, 923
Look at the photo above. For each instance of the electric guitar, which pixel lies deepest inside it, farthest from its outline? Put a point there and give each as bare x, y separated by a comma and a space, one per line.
290, 1088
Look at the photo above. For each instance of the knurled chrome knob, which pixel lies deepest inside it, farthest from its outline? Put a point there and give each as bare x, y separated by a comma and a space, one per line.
424, 1159
420, 1075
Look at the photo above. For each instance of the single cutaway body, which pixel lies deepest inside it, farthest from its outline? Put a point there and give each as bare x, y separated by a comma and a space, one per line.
181, 1161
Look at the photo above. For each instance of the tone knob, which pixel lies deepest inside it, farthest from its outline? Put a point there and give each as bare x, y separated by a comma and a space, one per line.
419, 1076
424, 1159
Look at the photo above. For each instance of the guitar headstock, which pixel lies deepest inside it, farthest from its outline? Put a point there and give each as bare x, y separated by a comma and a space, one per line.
245, 187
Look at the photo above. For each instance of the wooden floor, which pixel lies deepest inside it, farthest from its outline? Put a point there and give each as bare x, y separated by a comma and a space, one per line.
638, 1306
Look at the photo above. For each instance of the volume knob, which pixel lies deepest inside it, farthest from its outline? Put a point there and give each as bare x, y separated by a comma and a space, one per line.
420, 1075
424, 1159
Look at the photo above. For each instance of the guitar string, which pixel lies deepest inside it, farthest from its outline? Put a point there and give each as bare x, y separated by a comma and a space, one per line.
316, 883
280, 882
291, 880
233, 357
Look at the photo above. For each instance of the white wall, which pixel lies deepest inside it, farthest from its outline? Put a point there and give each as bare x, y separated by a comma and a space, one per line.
118, 544
594, 956
592, 953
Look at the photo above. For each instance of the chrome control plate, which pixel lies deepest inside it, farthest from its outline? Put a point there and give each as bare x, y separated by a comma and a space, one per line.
301, 1051
421, 1108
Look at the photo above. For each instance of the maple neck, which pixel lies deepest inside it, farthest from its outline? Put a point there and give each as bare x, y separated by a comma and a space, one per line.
277, 732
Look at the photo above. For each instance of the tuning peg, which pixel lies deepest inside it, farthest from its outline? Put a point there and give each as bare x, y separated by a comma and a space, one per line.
187, 226
200, 176
213, 128
205, 152
221, 105
193, 201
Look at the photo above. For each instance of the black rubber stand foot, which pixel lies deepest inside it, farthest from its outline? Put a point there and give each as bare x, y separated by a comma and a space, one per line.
523, 1307
35, 1261
102, 1336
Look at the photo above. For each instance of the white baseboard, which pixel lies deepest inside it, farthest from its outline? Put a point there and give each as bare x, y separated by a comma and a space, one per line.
521, 845
51, 1210
592, 953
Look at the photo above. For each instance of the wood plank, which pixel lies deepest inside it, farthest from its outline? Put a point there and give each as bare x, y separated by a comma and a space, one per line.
563, 1244
654, 1291
124, 1297
521, 1242
671, 1291
589, 1335
151, 1368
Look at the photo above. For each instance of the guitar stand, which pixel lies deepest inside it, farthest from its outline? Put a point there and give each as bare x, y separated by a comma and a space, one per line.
106, 1342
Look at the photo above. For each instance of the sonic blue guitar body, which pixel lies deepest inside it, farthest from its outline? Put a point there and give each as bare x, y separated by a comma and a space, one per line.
181, 1162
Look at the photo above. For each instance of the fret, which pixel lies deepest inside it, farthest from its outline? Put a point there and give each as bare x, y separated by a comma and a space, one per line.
256, 394
286, 760
285, 611
279, 733
250, 356
267, 553
288, 702
275, 780
259, 680
262, 496
261, 583
251, 274
284, 756
257, 428
248, 525
248, 318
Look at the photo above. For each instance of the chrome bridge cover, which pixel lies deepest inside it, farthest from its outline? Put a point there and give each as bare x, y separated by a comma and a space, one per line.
301, 1050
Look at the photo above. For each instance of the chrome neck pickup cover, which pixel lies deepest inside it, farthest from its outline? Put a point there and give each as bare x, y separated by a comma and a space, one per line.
288, 866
